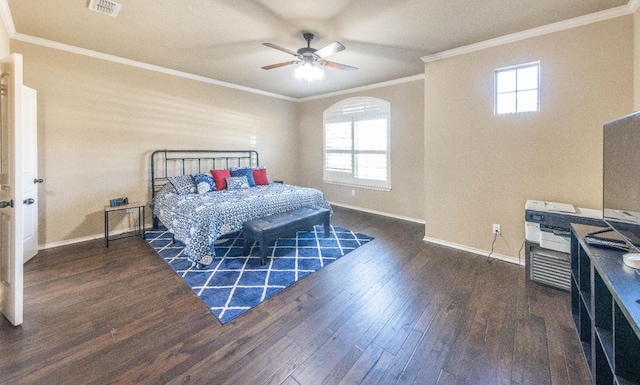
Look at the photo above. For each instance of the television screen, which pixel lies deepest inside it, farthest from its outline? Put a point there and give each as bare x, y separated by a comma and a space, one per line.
621, 177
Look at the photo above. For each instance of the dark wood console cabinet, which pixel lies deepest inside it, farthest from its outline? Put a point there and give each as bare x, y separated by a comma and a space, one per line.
605, 305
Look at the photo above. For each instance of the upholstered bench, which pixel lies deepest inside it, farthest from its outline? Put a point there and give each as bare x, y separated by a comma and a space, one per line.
267, 229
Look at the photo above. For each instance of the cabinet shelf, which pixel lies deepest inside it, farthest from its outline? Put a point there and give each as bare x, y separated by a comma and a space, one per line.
604, 310
622, 381
586, 300
606, 340
586, 350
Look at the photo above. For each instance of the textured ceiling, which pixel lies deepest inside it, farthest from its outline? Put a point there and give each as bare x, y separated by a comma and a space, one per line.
221, 39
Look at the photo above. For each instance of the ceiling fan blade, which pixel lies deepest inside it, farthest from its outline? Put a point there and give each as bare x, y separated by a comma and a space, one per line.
290, 52
339, 66
332, 48
272, 66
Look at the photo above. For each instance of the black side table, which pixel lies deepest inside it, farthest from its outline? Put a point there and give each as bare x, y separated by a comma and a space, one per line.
141, 220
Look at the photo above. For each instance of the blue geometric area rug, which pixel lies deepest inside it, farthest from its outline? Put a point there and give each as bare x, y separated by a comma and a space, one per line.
234, 283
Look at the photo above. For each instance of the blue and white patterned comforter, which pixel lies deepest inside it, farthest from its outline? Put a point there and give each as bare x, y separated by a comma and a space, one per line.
199, 219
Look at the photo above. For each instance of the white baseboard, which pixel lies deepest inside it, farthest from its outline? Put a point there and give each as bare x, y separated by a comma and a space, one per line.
421, 221
484, 253
68, 242
96, 236
87, 238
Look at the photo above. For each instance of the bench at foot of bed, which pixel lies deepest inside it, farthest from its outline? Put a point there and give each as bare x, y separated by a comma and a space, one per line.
267, 229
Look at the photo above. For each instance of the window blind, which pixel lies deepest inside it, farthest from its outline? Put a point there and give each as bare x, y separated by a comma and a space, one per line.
356, 143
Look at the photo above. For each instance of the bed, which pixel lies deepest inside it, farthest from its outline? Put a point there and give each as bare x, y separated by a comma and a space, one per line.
198, 216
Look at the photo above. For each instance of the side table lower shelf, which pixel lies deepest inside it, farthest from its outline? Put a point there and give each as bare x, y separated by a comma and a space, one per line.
605, 306
140, 230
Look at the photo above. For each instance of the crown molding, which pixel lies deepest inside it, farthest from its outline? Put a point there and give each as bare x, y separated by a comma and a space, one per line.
137, 64
534, 32
631, 7
7, 19
168, 71
365, 88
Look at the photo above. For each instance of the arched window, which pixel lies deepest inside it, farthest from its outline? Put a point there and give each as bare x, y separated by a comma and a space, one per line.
357, 143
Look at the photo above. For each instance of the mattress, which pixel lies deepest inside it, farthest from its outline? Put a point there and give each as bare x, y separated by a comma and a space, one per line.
198, 220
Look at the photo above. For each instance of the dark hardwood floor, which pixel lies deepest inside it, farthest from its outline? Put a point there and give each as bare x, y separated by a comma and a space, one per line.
395, 311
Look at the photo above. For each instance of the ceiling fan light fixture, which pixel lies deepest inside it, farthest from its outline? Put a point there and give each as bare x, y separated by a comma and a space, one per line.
310, 61
309, 72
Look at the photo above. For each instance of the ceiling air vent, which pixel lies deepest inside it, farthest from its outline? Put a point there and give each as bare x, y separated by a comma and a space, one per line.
105, 6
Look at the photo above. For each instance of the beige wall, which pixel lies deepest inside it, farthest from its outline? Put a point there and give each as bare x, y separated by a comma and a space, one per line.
99, 121
636, 60
4, 41
480, 168
406, 198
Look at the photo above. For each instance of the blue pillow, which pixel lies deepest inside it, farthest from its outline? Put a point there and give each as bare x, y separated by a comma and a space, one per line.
204, 183
246, 171
183, 184
237, 182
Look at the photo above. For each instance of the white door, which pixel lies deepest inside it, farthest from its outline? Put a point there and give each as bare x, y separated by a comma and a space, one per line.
30, 179
11, 207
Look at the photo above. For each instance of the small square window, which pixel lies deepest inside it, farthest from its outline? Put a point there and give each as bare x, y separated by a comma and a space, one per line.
517, 89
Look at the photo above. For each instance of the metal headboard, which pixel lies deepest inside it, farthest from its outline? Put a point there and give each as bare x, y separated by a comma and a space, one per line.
168, 163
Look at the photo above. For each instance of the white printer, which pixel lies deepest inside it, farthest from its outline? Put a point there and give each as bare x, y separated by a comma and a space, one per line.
548, 235
549, 223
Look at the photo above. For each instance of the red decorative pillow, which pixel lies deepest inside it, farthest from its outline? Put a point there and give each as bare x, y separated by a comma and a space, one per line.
219, 178
260, 176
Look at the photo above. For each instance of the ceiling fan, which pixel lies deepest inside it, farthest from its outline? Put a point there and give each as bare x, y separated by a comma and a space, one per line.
311, 56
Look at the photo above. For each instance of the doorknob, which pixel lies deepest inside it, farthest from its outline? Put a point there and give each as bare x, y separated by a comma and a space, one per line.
38, 181
6, 204
28, 201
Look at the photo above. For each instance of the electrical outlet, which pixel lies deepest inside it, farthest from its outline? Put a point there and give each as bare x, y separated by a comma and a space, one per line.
353, 192
496, 228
